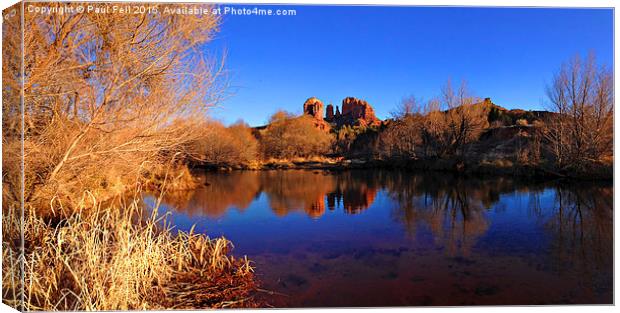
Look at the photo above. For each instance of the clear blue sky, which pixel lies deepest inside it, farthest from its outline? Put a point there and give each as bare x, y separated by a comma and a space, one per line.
382, 54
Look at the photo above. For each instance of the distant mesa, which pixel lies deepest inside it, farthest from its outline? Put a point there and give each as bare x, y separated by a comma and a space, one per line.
355, 112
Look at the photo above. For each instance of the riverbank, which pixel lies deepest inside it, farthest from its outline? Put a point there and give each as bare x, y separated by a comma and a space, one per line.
117, 255
595, 171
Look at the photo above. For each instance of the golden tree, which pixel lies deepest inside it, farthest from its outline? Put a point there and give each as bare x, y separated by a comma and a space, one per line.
220, 145
288, 137
102, 93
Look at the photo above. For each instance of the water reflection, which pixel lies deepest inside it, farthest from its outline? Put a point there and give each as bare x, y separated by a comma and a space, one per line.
288, 191
468, 240
579, 218
452, 208
216, 194
580, 225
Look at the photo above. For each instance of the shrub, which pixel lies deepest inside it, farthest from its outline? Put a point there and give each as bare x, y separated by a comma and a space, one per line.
220, 145
288, 137
522, 122
401, 138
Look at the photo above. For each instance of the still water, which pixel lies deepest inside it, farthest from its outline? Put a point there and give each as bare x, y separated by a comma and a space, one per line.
381, 238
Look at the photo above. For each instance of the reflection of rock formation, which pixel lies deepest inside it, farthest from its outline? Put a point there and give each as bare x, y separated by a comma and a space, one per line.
309, 191
316, 209
287, 191
290, 191
351, 201
333, 200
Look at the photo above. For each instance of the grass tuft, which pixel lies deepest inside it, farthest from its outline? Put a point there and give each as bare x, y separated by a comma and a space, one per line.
117, 257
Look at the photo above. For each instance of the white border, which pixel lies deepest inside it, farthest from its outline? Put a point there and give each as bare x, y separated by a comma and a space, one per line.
490, 3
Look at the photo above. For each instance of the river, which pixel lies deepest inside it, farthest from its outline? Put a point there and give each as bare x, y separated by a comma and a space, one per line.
388, 238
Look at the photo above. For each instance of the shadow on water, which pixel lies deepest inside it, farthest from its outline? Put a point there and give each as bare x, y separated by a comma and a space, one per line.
371, 237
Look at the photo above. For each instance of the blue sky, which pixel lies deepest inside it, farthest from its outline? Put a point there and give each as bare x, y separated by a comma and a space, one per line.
382, 54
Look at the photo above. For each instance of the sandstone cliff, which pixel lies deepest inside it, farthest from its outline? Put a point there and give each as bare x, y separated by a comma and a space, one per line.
314, 107
355, 112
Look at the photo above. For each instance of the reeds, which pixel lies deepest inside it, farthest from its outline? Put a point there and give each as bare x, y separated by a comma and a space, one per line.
118, 257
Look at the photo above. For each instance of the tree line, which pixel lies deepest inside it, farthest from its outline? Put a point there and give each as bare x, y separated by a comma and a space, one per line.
574, 133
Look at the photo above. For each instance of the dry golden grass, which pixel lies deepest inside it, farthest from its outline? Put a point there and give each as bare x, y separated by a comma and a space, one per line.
119, 257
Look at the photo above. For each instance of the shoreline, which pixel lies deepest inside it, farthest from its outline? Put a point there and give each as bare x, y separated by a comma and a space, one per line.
499, 168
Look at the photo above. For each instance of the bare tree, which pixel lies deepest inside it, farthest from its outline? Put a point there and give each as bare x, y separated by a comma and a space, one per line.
453, 121
402, 136
581, 95
409, 106
103, 92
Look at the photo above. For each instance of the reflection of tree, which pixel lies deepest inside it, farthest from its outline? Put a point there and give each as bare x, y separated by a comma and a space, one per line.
581, 226
220, 192
288, 191
580, 220
452, 208
297, 190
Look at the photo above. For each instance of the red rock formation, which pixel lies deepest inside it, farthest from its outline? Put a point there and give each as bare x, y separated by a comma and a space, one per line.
330, 112
355, 112
322, 125
314, 107
358, 112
